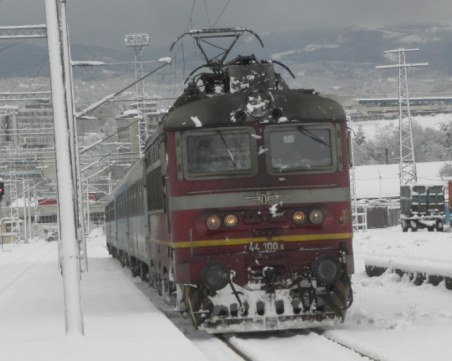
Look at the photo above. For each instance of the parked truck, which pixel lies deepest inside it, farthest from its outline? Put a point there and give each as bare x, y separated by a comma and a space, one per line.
422, 206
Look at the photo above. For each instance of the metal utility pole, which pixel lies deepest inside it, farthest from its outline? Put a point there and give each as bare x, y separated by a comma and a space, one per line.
352, 175
407, 165
70, 259
14, 206
137, 42
81, 234
24, 211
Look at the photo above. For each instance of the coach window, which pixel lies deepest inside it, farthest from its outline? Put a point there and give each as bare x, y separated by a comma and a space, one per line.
223, 152
301, 148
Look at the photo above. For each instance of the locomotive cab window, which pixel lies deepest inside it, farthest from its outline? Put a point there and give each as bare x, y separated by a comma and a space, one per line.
301, 148
219, 153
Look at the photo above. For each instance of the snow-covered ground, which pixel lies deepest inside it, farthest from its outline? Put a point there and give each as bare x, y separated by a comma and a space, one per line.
391, 318
120, 322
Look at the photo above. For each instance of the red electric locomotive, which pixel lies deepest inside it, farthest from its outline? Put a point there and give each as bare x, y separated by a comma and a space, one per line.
248, 200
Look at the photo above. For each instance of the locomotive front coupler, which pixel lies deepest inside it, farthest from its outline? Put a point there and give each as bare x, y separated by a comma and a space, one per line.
306, 290
269, 274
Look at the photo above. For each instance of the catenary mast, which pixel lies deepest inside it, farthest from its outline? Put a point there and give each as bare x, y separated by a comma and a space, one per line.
407, 164
70, 259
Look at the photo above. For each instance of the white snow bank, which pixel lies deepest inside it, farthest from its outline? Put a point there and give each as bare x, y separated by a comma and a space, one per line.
428, 266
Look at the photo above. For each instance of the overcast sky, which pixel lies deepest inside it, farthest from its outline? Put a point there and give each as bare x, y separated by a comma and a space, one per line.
104, 22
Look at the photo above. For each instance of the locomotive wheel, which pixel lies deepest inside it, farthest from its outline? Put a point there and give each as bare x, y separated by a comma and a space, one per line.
144, 274
439, 226
198, 305
404, 226
448, 282
158, 285
134, 271
164, 288
134, 268
151, 279
122, 259
339, 297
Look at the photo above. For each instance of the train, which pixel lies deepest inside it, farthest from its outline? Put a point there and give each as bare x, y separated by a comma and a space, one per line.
239, 210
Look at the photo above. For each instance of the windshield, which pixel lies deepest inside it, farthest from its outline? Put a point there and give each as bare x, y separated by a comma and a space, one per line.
219, 152
301, 148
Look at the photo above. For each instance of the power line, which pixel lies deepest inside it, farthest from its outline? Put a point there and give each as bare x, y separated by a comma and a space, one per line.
221, 13
10, 46
190, 18
207, 13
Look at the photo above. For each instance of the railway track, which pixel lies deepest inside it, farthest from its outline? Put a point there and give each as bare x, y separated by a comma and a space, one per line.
363, 353
261, 346
23, 258
315, 342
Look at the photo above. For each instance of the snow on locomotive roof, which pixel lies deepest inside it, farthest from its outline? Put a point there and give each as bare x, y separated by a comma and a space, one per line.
232, 109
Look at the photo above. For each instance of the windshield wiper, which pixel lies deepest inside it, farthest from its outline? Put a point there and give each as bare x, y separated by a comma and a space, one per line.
312, 135
231, 156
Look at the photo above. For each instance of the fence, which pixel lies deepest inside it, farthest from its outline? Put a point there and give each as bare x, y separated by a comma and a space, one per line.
378, 216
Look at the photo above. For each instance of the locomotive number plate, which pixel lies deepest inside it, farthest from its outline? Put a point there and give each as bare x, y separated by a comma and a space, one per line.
265, 247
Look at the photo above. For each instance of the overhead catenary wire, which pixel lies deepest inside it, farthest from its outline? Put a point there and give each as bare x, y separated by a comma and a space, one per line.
221, 13
10, 46
207, 13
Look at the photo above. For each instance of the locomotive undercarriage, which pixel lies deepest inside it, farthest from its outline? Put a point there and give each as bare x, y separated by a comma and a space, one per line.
264, 303
261, 307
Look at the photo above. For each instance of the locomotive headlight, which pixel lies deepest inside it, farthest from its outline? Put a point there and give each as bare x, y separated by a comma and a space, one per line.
215, 276
299, 218
327, 269
231, 221
213, 222
316, 216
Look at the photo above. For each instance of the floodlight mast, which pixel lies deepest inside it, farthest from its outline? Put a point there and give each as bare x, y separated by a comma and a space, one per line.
138, 42
407, 164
